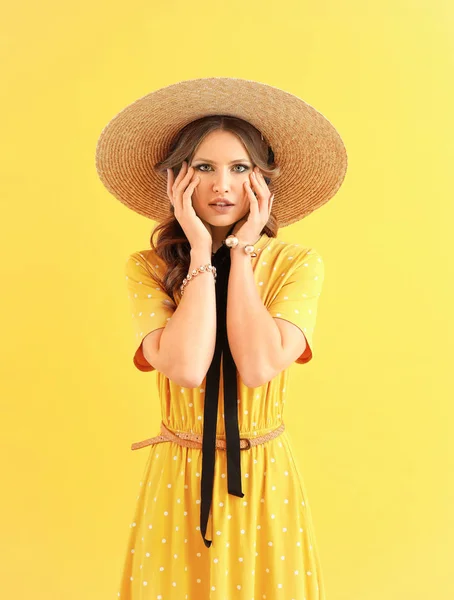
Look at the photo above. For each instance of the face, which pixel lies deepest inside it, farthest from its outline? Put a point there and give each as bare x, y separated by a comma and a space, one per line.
223, 165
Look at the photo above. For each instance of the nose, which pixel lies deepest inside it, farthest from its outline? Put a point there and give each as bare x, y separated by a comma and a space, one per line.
221, 180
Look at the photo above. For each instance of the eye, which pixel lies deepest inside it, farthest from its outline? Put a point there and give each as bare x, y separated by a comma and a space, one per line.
245, 167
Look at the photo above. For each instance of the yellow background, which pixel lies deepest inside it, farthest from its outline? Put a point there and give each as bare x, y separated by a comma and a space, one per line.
371, 416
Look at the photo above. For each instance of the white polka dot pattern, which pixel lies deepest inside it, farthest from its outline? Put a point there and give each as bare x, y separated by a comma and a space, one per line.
265, 548
147, 301
263, 545
302, 274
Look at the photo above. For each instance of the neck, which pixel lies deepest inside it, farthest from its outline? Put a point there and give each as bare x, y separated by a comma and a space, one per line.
219, 234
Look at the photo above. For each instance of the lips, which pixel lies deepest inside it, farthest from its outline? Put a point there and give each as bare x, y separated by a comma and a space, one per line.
221, 200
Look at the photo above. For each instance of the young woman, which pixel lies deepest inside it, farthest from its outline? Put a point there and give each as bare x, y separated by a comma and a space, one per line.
221, 308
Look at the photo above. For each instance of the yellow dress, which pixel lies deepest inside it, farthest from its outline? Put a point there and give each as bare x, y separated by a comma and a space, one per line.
263, 545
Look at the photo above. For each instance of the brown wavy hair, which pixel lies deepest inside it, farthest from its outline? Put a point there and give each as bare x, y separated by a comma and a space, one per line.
172, 245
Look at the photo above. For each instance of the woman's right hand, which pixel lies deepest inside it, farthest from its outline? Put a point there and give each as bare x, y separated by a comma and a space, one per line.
180, 191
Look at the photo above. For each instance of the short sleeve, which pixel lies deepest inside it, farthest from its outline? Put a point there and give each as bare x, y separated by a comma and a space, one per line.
297, 299
150, 305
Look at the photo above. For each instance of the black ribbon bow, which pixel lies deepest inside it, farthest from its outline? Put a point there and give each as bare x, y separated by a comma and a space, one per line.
221, 260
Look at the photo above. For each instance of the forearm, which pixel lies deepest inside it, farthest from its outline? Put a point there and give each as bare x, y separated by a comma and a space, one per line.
190, 336
252, 332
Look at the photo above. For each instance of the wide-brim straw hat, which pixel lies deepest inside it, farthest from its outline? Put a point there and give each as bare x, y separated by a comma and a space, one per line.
306, 146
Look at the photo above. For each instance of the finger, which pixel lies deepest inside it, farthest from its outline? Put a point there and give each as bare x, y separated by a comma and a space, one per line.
254, 185
261, 187
261, 193
177, 195
181, 172
188, 193
260, 180
170, 183
182, 175
253, 201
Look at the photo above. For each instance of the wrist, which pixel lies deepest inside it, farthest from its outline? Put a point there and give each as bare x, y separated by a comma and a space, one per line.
238, 254
201, 255
201, 249
238, 245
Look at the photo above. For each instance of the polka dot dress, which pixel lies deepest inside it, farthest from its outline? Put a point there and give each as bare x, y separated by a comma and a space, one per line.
263, 545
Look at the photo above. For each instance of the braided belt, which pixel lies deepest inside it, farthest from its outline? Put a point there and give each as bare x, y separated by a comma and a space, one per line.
194, 440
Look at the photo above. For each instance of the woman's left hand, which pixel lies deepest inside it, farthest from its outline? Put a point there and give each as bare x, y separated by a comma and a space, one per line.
249, 228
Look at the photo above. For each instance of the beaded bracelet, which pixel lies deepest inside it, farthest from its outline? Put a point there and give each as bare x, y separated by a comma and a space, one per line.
232, 242
201, 269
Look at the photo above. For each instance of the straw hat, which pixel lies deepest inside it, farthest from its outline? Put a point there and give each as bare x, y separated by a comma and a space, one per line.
305, 144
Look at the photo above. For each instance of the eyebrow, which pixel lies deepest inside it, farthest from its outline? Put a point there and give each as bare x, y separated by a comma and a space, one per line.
230, 163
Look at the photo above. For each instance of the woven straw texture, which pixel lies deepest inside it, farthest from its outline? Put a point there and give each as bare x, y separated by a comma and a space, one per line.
306, 145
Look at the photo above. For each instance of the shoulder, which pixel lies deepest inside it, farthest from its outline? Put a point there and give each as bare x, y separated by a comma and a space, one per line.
144, 261
291, 253
144, 275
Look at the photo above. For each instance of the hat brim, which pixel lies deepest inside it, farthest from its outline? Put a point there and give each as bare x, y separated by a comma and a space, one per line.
306, 146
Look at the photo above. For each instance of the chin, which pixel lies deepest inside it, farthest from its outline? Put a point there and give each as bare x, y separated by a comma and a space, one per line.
233, 214
223, 219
